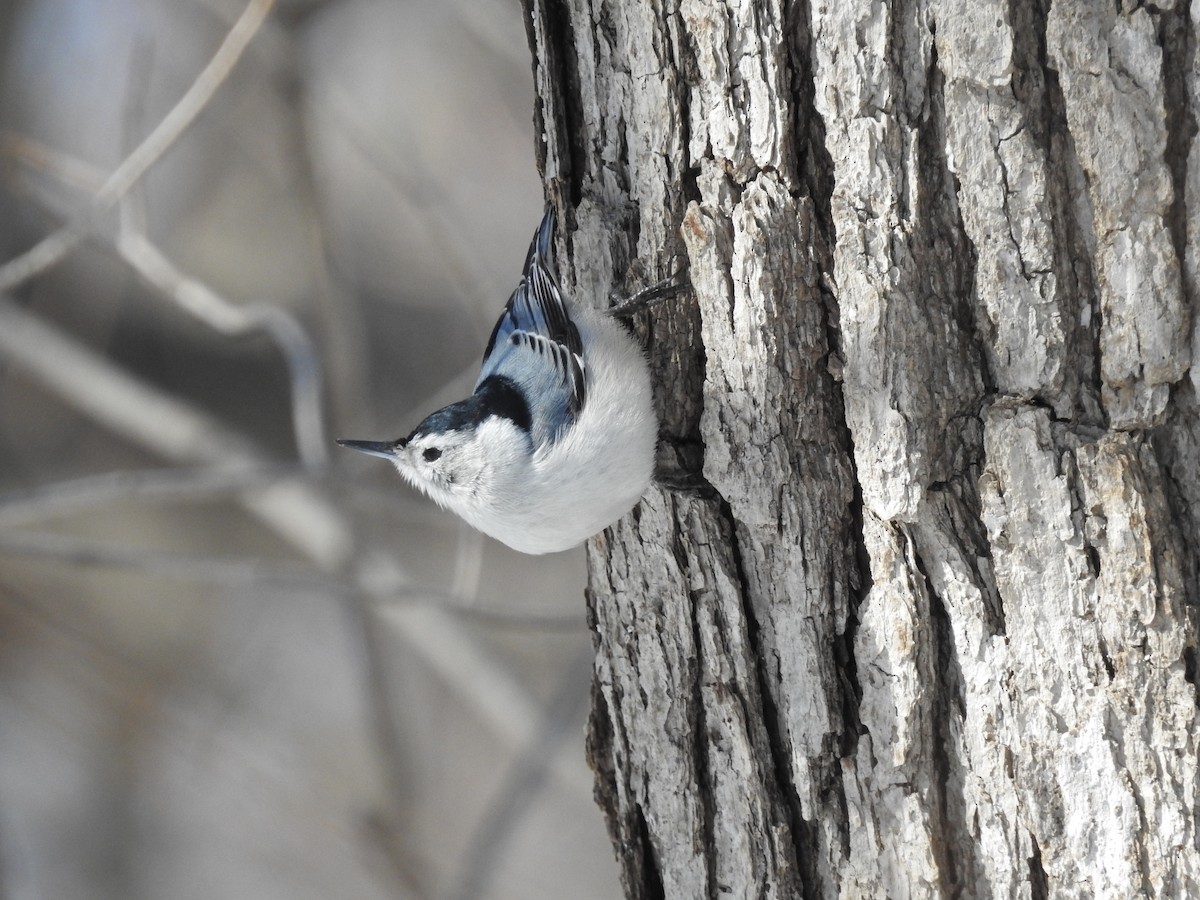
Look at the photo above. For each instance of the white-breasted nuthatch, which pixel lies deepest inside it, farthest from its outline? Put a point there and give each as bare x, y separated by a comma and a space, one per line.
558, 440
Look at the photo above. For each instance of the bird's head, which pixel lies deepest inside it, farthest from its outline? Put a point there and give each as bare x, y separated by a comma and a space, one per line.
466, 456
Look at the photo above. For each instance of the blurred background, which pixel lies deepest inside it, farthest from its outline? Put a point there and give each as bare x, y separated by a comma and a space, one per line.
237, 661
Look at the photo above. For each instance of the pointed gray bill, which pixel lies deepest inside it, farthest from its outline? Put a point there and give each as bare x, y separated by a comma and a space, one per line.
385, 449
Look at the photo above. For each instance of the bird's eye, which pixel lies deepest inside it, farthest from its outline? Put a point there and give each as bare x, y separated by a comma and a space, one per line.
431, 454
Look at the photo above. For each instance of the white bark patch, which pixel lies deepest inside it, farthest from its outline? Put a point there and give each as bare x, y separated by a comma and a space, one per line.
894, 825
739, 105
1005, 208
680, 683
1097, 687
1110, 67
897, 260
767, 400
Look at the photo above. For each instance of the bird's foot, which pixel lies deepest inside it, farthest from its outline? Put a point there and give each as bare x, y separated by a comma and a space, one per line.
674, 284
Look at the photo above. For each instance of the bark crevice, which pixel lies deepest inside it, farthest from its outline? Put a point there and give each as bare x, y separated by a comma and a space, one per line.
1039, 883
559, 55
651, 887
804, 837
815, 168
704, 795
950, 700
1178, 41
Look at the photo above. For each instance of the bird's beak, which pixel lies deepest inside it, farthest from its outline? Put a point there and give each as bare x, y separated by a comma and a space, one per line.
385, 449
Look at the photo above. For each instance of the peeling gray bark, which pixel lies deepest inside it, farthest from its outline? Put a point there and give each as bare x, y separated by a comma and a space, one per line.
926, 625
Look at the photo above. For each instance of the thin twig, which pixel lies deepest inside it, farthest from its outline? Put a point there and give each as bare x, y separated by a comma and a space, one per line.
40, 257
63, 240
235, 572
66, 169
171, 427
502, 701
132, 206
201, 301
521, 783
168, 130
78, 495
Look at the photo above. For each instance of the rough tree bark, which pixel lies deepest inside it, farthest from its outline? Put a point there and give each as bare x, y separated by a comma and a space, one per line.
928, 626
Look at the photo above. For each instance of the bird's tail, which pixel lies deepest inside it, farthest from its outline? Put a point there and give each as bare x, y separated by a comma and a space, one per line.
541, 248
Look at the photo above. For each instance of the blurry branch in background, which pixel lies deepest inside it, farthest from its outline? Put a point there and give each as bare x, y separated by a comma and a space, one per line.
191, 295
218, 460
522, 782
146, 154
81, 494
171, 427
240, 572
40, 257
205, 304
59, 243
282, 327
296, 511
415, 181
72, 172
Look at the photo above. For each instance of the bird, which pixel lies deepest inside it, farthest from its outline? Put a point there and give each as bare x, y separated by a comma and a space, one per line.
558, 439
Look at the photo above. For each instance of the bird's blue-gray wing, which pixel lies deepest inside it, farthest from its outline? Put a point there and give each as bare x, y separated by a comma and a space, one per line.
536, 345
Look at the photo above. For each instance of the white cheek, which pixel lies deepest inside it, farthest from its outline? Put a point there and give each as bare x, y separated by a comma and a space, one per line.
405, 470
429, 477
410, 471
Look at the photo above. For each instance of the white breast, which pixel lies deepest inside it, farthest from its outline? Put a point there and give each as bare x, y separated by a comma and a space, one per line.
596, 471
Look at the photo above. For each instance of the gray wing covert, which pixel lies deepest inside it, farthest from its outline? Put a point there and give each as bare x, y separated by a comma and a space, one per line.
537, 346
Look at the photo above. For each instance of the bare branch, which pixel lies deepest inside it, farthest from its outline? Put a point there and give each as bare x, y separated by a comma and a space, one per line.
81, 494
282, 327
67, 169
170, 427
199, 300
522, 782
231, 572
137, 163
40, 257
62, 241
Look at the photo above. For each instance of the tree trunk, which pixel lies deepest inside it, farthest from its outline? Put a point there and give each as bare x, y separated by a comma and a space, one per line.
925, 624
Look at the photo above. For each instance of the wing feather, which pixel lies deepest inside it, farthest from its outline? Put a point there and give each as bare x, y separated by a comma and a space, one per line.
537, 345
